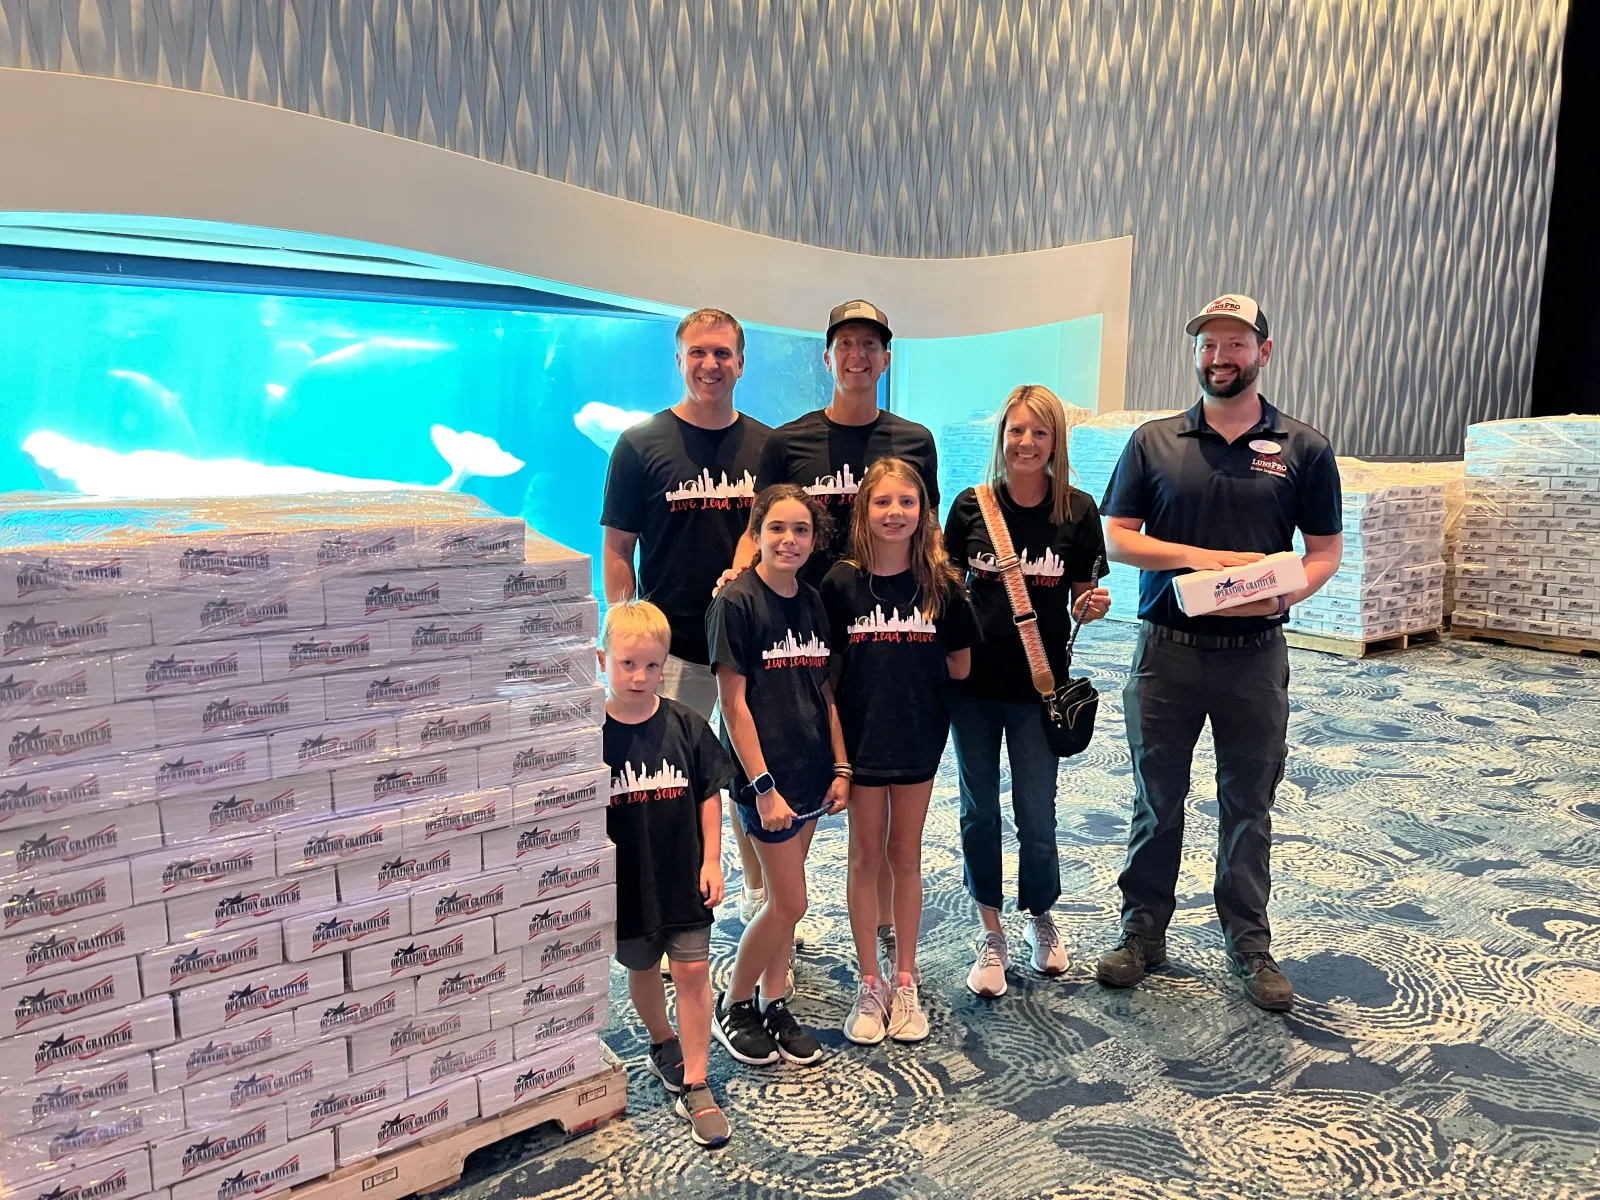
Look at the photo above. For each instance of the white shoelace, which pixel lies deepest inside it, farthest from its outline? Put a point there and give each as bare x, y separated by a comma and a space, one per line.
905, 1000
871, 1002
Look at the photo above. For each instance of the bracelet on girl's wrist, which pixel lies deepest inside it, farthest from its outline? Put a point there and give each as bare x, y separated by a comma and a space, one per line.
844, 770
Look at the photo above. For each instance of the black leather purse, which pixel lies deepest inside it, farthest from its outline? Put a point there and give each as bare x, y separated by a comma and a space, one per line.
1068, 709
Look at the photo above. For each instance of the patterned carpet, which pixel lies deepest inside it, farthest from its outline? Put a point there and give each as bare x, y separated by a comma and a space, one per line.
1437, 906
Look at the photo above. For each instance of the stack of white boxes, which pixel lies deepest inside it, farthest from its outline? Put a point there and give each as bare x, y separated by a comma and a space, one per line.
302, 837
1392, 578
1529, 556
1096, 446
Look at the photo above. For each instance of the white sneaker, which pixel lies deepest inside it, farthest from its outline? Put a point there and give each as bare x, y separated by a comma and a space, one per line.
988, 974
889, 956
907, 1021
868, 1022
807, 933
1049, 955
788, 982
750, 902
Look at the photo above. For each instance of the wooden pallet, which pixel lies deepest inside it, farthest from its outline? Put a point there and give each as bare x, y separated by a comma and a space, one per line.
1533, 641
437, 1162
1352, 648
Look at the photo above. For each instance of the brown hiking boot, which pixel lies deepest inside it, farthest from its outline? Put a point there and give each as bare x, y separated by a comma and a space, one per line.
1127, 963
1264, 984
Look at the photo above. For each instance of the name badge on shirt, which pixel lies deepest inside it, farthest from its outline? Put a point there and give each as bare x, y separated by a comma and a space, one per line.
1268, 458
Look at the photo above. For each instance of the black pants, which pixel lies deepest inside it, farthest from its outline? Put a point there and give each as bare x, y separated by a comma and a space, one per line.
1171, 691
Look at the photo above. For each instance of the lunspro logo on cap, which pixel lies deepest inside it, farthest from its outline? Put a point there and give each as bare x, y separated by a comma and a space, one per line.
1240, 307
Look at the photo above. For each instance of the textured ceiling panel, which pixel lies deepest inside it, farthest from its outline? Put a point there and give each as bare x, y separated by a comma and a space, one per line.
1377, 173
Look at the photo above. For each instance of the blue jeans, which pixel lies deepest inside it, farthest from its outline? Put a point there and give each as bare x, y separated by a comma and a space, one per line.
976, 726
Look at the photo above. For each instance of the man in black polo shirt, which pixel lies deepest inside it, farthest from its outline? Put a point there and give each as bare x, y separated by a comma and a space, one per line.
679, 490
1222, 485
829, 450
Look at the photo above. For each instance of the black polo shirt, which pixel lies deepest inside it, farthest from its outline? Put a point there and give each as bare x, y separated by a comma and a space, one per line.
1188, 485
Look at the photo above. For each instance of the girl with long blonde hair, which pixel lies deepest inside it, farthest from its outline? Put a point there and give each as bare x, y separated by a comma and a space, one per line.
1055, 533
901, 629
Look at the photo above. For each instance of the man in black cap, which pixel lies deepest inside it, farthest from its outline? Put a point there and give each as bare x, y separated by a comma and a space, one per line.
828, 451
1223, 485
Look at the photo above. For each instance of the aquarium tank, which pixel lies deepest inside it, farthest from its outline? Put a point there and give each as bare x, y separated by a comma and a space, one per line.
152, 357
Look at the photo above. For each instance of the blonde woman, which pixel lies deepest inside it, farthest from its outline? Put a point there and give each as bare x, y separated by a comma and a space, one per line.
901, 629
1055, 531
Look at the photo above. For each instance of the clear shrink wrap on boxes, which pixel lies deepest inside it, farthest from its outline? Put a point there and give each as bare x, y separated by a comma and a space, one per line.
429, 822
157, 672
94, 1137
420, 866
316, 652
42, 1004
35, 796
535, 924
533, 999
1095, 447
122, 1175
244, 784
227, 1052
265, 1174
398, 1125
1528, 559
352, 1097
87, 1043
83, 943
65, 572
306, 1069
189, 1156
56, 684
532, 802
258, 807
560, 1025
1391, 580
545, 755
78, 841
26, 1107
523, 1082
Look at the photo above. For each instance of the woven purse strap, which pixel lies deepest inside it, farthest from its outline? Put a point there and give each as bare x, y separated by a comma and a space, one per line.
1022, 614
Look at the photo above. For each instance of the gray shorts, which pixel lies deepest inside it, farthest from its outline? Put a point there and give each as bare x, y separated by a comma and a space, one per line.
679, 945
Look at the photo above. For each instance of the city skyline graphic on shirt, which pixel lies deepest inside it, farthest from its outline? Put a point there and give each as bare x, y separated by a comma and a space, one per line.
791, 652
1050, 564
843, 483
876, 623
666, 778
704, 488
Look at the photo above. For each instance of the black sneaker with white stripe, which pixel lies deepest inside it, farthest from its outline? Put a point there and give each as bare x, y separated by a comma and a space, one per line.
742, 1032
795, 1042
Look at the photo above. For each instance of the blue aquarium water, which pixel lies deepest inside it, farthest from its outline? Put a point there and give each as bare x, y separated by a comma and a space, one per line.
283, 351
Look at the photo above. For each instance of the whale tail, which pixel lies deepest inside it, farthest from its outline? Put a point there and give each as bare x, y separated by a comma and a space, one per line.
603, 424
470, 455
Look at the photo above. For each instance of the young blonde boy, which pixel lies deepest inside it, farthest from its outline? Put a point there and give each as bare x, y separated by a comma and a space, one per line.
665, 818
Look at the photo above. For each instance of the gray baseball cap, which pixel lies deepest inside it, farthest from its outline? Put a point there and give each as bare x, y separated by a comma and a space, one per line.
859, 310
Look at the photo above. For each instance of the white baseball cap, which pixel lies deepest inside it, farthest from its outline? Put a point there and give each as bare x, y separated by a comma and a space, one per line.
1240, 308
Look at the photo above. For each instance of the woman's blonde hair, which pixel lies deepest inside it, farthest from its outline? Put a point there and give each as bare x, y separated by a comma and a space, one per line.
930, 564
635, 618
1046, 405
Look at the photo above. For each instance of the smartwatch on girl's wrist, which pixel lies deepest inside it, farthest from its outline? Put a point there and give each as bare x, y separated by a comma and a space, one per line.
762, 783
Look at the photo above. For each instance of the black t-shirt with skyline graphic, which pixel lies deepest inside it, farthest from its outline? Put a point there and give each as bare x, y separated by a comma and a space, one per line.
662, 770
829, 461
1053, 558
780, 645
687, 493
893, 679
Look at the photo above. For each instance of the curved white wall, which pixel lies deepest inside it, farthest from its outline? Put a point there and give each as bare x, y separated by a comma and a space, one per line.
97, 145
